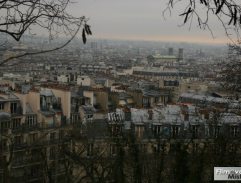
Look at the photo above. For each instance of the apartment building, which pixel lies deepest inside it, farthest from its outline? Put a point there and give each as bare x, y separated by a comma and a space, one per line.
33, 131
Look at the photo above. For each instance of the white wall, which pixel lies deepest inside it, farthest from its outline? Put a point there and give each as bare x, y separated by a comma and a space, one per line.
63, 79
84, 81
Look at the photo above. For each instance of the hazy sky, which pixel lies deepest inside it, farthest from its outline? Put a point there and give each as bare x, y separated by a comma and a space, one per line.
142, 20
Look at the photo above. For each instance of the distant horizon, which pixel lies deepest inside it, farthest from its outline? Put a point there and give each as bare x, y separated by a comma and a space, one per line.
175, 41
160, 41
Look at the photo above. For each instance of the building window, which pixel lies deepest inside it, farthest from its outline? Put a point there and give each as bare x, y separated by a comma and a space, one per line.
234, 131
157, 130
216, 131
34, 171
194, 131
33, 137
18, 140
75, 118
159, 147
90, 149
166, 131
51, 152
5, 125
115, 130
139, 130
156, 99
61, 134
59, 100
31, 120
113, 149
4, 144
175, 131
146, 102
143, 147
52, 136
18, 158
1, 106
13, 107
195, 147
16, 122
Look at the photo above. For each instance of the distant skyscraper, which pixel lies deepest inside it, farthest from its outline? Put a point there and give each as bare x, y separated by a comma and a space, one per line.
180, 54
170, 51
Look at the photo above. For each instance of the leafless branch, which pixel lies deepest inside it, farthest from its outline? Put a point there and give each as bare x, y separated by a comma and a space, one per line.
228, 13
49, 16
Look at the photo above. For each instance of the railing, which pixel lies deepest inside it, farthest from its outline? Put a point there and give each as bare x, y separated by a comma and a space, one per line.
35, 144
37, 127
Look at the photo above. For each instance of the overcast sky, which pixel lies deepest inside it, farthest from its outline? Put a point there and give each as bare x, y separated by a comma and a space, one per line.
141, 20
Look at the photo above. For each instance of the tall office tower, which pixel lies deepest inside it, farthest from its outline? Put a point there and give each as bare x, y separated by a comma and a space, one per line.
170, 51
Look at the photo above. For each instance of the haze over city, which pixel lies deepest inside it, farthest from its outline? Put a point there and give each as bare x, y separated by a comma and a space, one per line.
143, 20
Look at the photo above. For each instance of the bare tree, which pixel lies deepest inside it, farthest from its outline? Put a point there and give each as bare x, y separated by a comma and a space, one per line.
227, 12
25, 16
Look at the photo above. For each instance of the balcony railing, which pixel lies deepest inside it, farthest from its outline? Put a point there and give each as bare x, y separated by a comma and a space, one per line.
37, 127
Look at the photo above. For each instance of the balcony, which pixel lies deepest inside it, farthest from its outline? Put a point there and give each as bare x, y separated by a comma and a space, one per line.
36, 127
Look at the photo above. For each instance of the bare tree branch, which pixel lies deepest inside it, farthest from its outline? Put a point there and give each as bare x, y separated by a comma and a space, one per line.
49, 16
228, 13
